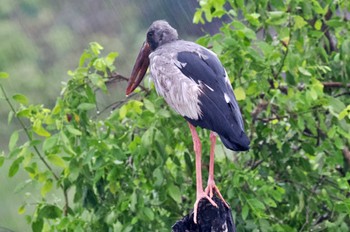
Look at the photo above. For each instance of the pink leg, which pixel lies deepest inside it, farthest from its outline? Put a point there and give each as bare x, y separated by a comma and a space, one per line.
200, 193
211, 187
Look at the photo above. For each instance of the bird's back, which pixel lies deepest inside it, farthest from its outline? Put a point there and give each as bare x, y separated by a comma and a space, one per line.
194, 83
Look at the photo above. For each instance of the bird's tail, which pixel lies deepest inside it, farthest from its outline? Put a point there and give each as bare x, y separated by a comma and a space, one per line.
240, 143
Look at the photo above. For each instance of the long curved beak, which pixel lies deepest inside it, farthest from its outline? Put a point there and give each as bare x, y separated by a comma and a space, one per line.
140, 68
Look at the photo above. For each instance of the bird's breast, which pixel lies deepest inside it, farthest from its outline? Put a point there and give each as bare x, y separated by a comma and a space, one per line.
179, 91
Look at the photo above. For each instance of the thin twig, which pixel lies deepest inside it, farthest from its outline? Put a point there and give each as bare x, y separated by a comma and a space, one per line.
342, 94
114, 105
286, 45
313, 191
41, 157
272, 118
116, 76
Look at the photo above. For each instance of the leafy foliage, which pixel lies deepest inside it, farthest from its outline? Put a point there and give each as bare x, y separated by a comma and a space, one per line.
284, 58
133, 170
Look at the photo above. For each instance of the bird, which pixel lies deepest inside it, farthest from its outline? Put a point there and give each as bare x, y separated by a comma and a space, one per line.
195, 84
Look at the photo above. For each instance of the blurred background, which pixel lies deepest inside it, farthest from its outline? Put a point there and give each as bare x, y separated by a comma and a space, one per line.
42, 39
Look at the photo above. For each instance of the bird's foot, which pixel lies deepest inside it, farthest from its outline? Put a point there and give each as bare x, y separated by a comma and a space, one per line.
211, 189
200, 196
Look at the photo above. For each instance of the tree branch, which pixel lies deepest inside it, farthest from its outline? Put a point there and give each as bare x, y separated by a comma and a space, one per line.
336, 85
113, 76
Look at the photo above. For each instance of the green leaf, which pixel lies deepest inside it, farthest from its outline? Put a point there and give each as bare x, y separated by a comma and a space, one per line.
22, 209
239, 93
98, 81
174, 193
82, 59
50, 212
318, 8
149, 213
318, 25
2, 159
266, 48
133, 201
37, 225
198, 17
3, 75
313, 94
238, 25
299, 22
335, 106
346, 134
111, 57
149, 105
24, 113
308, 148
73, 131
96, 48
123, 111
252, 89
253, 19
10, 117
118, 162
20, 98
344, 113
100, 64
304, 71
331, 132
13, 140
147, 137
67, 146
163, 113
50, 142
86, 106
56, 160
240, 4
136, 106
277, 17
256, 204
270, 202
158, 177
249, 33
337, 22
15, 166
245, 212
46, 188
57, 109
39, 129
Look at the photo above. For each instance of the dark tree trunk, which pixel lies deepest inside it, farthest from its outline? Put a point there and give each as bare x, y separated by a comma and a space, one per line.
210, 219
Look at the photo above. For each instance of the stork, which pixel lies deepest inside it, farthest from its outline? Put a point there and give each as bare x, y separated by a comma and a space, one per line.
194, 83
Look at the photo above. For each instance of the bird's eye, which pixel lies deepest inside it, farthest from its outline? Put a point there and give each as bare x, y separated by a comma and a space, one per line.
150, 33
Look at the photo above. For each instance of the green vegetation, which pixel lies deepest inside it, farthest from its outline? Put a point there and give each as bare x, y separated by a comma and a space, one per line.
133, 170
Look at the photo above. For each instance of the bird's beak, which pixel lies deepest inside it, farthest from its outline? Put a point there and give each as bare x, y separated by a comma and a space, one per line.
140, 68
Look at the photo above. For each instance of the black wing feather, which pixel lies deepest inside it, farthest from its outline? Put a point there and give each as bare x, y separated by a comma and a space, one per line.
217, 115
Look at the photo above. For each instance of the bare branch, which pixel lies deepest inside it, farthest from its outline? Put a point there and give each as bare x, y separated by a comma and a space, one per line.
116, 76
336, 85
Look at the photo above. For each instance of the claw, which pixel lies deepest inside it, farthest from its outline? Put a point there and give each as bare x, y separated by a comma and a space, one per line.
211, 188
199, 198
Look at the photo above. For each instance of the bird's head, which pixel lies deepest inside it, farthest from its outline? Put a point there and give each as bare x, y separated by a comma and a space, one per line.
160, 32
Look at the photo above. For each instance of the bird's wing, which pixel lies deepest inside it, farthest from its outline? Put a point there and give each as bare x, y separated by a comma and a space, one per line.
218, 105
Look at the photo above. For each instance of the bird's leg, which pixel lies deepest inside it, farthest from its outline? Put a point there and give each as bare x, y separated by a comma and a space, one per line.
211, 187
200, 193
